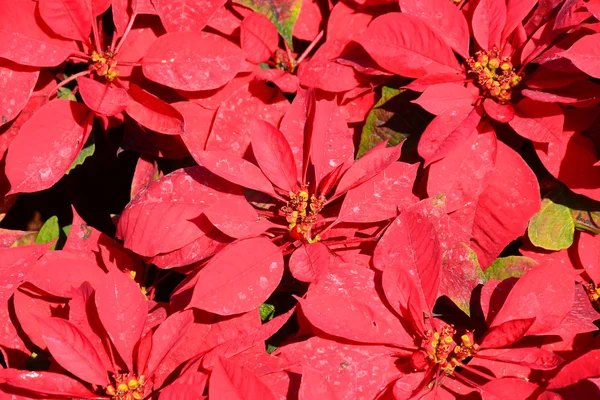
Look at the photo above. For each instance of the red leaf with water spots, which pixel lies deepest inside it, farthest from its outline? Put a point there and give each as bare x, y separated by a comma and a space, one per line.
259, 38
407, 46
448, 131
192, 61
534, 296
186, 15
26, 40
444, 18
506, 333
368, 166
122, 309
585, 54
488, 22
315, 386
240, 278
537, 121
73, 351
229, 380
69, 18
36, 161
103, 98
48, 383
274, 155
309, 262
379, 198
438, 98
16, 84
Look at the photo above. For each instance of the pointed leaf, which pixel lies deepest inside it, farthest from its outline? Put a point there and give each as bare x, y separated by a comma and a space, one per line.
535, 294
282, 13
506, 333
530, 357
240, 278
106, 99
50, 383
186, 15
444, 18
438, 98
236, 170
381, 197
274, 155
489, 19
73, 351
508, 267
167, 336
447, 132
585, 54
309, 262
586, 366
16, 84
229, 381
46, 145
367, 167
123, 309
537, 121
69, 18
153, 113
192, 61
407, 46
258, 37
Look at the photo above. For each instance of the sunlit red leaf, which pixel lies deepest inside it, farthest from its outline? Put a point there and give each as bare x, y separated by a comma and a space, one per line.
197, 123
438, 98
488, 21
16, 83
229, 380
585, 54
69, 18
27, 42
258, 37
186, 15
167, 336
314, 385
232, 283
282, 13
407, 46
309, 262
274, 155
540, 122
530, 357
236, 218
49, 383
73, 351
498, 388
506, 333
37, 161
103, 98
586, 366
381, 197
192, 61
545, 284
153, 113
122, 309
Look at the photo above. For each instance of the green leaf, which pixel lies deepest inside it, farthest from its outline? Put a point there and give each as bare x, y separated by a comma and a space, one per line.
509, 267
65, 93
552, 228
393, 118
271, 348
86, 151
282, 13
267, 311
49, 232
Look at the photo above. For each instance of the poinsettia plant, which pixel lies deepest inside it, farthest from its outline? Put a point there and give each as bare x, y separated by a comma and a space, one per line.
299, 199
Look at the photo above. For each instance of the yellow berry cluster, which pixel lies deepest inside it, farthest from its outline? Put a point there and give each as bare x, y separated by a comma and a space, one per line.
127, 387
301, 214
441, 348
495, 74
105, 65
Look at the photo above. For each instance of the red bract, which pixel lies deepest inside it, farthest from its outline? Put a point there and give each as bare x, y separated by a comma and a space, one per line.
299, 199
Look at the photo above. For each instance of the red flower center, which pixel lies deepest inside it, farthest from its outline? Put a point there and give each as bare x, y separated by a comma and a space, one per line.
495, 74
127, 387
301, 212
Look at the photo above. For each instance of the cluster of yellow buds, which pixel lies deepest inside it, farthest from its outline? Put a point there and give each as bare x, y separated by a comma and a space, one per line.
105, 65
441, 348
593, 293
495, 74
301, 214
284, 62
127, 387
